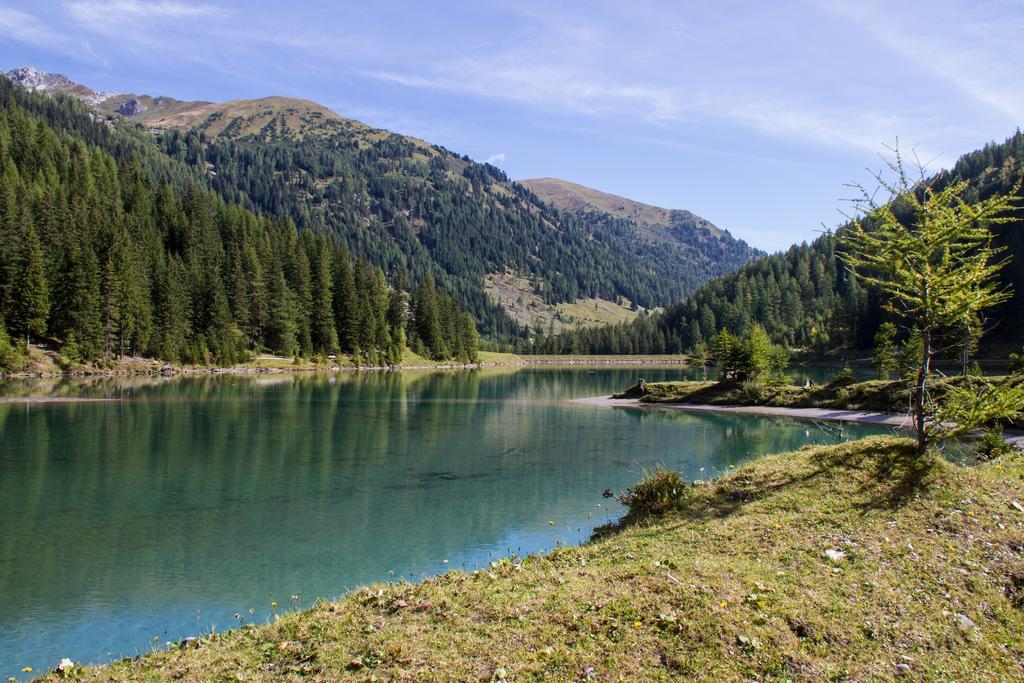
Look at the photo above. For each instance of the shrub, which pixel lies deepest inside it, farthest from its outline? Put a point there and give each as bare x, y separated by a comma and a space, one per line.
753, 392
658, 493
1017, 361
843, 378
993, 444
10, 359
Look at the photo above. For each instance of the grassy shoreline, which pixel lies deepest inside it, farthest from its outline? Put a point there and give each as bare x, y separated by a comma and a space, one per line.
891, 396
854, 561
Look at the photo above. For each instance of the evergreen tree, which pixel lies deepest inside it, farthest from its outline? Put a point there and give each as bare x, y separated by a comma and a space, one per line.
427, 319
931, 251
30, 299
885, 357
702, 355
323, 330
345, 314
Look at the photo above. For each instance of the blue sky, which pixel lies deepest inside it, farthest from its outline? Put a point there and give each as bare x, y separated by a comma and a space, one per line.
753, 115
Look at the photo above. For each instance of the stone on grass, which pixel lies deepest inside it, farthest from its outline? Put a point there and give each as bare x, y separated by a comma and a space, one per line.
835, 555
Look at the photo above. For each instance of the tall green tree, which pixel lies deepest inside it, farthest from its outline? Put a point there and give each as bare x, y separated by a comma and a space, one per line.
931, 251
346, 319
702, 356
427, 318
885, 356
30, 298
322, 326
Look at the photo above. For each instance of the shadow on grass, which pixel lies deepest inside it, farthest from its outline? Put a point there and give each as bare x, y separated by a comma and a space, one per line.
893, 474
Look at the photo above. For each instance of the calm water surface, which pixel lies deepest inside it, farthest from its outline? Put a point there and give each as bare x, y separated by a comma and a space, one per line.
159, 516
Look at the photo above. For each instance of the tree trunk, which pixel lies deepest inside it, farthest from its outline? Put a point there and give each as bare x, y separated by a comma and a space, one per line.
920, 389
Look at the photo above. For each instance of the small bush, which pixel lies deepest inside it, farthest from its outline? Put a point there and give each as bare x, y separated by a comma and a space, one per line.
1017, 361
842, 378
753, 392
993, 444
658, 493
10, 359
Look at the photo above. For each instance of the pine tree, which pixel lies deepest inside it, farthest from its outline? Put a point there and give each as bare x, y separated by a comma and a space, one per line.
931, 251
397, 317
702, 356
322, 326
345, 313
428, 319
30, 299
469, 338
282, 328
885, 356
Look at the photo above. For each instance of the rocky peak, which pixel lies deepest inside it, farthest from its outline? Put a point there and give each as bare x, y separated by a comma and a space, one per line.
131, 107
36, 79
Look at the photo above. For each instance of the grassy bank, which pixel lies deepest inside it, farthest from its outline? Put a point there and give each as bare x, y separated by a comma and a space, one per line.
876, 395
854, 561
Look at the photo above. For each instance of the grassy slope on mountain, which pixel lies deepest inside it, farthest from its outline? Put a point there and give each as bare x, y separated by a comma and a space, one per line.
735, 585
581, 199
519, 298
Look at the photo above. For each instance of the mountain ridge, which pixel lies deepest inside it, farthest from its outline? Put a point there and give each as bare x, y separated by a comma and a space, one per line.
574, 197
408, 205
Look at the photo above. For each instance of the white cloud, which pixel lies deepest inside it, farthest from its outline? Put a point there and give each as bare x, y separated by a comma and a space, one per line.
22, 27
497, 159
25, 28
976, 46
98, 13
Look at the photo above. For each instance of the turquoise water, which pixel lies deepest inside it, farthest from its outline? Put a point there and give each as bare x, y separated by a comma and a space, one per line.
127, 524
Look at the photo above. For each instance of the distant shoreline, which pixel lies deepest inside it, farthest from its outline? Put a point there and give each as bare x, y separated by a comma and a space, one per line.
53, 399
142, 368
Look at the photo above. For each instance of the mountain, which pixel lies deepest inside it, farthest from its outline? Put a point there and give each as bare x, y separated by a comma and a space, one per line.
110, 247
659, 223
805, 297
167, 112
405, 204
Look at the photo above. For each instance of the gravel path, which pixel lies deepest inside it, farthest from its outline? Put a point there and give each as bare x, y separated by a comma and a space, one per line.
892, 419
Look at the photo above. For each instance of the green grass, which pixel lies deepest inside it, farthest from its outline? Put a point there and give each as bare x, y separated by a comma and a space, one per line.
517, 296
874, 395
927, 579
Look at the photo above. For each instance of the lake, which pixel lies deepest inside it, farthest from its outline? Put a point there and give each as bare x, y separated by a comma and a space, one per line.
130, 523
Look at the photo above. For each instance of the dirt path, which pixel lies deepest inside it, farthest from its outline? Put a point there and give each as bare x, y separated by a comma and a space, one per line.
899, 420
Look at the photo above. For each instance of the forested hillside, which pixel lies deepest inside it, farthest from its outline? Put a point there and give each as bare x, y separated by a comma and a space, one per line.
108, 247
401, 203
405, 204
805, 298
